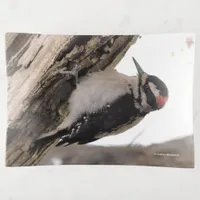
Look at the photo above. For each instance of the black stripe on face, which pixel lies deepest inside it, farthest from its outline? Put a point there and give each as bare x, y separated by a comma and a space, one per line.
139, 99
151, 99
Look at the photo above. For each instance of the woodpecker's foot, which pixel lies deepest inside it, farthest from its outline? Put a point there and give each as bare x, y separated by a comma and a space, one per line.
70, 73
73, 73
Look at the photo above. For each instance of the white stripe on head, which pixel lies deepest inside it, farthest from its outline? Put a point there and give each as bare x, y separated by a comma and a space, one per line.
144, 78
145, 106
154, 89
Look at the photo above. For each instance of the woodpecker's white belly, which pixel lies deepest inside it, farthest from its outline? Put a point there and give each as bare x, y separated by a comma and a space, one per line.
98, 90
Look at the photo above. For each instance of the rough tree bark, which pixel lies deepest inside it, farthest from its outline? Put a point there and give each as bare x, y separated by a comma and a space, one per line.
38, 94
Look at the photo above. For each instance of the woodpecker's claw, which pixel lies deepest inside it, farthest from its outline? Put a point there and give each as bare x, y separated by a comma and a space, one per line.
72, 73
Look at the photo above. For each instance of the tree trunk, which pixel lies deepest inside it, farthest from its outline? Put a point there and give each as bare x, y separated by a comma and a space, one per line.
38, 93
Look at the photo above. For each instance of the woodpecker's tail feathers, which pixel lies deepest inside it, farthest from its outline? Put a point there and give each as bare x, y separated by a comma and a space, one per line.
50, 134
47, 139
63, 141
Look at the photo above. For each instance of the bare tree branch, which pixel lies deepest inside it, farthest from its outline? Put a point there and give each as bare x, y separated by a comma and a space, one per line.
136, 137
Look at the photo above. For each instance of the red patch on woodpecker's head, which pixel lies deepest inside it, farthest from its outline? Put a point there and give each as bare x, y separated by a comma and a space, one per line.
161, 101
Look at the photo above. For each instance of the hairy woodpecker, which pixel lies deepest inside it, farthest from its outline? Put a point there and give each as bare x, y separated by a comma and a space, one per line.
107, 103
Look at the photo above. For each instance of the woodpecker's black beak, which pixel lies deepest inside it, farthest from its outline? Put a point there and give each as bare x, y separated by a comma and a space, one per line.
139, 69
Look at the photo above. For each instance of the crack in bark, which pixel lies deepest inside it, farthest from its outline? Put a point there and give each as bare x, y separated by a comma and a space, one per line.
77, 40
28, 65
19, 41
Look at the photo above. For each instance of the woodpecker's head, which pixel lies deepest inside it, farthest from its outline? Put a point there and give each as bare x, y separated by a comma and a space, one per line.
153, 90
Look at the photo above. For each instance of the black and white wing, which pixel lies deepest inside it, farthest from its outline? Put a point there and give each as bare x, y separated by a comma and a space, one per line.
111, 119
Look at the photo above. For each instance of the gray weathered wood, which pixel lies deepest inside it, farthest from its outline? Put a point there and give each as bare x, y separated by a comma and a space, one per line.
38, 94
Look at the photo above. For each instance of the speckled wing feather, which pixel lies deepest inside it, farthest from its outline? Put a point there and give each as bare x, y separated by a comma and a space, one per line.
107, 121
